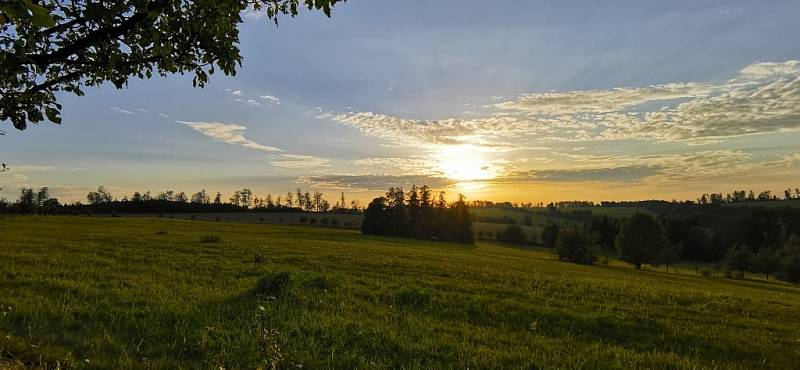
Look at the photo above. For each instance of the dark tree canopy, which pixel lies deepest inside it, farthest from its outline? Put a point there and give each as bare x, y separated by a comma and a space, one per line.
640, 239
51, 46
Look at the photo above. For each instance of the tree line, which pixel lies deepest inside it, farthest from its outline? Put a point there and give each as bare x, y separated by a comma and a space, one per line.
756, 240
102, 201
418, 214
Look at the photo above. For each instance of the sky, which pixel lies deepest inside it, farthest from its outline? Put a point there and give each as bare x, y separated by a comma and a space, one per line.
523, 101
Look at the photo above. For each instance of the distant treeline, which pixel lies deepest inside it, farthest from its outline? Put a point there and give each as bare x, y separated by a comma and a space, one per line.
417, 214
736, 196
102, 201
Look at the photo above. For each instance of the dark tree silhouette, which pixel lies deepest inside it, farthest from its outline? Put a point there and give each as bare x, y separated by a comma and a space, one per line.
640, 239
550, 234
575, 245
391, 215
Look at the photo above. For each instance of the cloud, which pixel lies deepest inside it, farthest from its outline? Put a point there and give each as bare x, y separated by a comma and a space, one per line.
761, 98
299, 161
120, 110
370, 182
270, 99
660, 168
228, 133
237, 93
601, 101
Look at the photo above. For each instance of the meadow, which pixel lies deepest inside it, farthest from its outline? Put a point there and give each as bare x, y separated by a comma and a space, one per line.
99, 293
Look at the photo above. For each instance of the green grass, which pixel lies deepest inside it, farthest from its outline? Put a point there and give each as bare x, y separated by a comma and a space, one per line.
147, 293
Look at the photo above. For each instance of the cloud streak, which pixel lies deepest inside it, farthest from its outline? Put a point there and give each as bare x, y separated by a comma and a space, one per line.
229, 133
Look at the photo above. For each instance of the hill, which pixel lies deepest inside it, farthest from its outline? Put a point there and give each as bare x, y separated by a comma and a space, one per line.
96, 293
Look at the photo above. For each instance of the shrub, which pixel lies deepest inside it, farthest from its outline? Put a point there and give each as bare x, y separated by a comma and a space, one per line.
276, 285
161, 232
303, 219
334, 222
312, 221
413, 297
210, 239
325, 221
258, 259
575, 246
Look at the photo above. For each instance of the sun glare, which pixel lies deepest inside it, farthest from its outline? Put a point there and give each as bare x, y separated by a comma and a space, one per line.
464, 163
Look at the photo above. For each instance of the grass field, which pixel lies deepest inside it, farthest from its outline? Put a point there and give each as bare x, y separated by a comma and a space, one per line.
102, 293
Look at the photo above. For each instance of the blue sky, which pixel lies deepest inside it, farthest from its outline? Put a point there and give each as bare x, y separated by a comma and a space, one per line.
507, 100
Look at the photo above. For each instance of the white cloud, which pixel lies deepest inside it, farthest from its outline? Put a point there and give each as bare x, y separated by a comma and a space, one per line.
228, 133
761, 98
120, 110
237, 93
270, 99
299, 161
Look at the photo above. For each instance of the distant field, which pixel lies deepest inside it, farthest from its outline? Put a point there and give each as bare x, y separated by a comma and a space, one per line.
109, 293
490, 230
537, 219
614, 212
346, 221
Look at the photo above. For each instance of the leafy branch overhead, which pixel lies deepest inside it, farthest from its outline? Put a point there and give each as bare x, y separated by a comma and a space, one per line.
50, 46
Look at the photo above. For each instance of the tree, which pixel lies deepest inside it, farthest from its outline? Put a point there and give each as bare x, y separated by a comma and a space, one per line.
218, 199
200, 197
669, 255
639, 239
101, 196
766, 261
527, 221
26, 201
289, 199
575, 245
51, 46
550, 234
375, 217
513, 234
739, 258
790, 257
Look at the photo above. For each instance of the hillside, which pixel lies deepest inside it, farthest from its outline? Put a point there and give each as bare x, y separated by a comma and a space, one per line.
96, 293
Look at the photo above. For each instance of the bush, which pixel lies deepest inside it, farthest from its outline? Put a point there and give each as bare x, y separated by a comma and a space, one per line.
324, 222
312, 221
303, 219
414, 297
161, 232
513, 234
575, 246
276, 285
210, 239
334, 222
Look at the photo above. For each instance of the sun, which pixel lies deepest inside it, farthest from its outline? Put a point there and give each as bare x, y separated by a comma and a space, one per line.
464, 163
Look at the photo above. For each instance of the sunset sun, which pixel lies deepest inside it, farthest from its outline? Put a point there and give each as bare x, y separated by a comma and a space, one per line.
464, 163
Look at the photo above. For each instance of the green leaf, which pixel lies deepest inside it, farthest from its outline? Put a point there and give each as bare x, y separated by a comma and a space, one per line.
41, 16
52, 115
